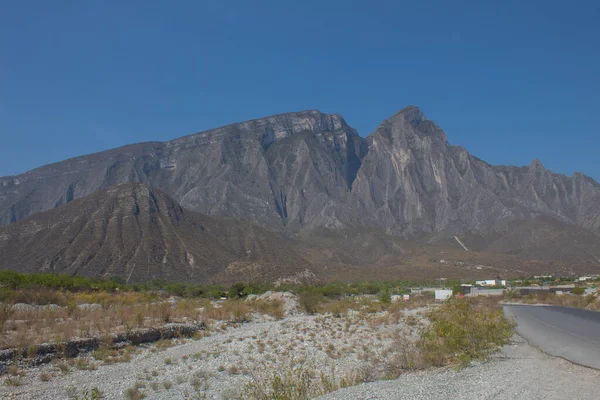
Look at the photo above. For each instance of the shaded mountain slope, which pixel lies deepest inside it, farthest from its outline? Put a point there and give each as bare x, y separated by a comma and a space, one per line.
547, 239
138, 234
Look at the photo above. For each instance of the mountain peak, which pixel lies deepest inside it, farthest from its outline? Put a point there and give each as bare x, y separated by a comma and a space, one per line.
410, 114
536, 163
412, 119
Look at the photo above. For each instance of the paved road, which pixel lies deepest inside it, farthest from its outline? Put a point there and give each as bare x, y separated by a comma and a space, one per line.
570, 333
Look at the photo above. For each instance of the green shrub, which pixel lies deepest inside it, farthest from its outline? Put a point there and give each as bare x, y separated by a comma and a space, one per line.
384, 296
578, 291
237, 290
460, 332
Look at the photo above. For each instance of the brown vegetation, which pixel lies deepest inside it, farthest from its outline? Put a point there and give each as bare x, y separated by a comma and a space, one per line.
589, 302
117, 313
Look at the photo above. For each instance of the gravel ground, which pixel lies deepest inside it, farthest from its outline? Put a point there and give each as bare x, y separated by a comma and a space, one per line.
219, 366
355, 347
519, 371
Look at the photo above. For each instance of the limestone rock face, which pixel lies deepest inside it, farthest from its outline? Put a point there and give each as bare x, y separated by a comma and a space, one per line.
308, 170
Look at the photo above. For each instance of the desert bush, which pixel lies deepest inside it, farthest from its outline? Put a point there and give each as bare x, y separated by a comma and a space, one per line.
299, 382
238, 310
44, 377
13, 381
459, 332
290, 384
164, 344
310, 301
39, 296
5, 313
94, 394
405, 356
134, 394
338, 308
165, 312
108, 355
356, 376
85, 364
228, 310
274, 308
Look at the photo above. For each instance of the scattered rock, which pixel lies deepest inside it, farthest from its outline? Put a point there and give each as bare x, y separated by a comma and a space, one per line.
22, 307
88, 306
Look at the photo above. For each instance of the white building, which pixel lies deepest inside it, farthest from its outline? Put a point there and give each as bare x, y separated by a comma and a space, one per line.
442, 294
491, 282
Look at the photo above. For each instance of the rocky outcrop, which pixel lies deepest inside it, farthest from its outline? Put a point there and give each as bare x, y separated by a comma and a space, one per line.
412, 182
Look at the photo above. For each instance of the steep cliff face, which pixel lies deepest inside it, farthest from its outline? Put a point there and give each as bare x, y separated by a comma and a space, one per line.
308, 170
413, 182
250, 170
402, 184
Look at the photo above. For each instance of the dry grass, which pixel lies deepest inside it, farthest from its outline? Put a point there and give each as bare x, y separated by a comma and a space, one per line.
108, 355
118, 313
228, 310
164, 344
85, 364
13, 381
274, 308
134, 394
298, 381
338, 308
589, 302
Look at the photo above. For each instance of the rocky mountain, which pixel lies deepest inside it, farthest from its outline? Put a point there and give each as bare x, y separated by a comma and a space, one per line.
307, 171
413, 181
139, 233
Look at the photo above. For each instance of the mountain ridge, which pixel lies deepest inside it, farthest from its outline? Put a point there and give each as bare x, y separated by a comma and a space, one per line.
305, 170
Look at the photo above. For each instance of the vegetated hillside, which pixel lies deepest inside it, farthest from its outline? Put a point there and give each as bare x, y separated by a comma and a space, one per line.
307, 170
547, 239
370, 254
139, 234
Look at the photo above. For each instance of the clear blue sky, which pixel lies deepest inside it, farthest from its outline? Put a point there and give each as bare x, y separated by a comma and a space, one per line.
509, 81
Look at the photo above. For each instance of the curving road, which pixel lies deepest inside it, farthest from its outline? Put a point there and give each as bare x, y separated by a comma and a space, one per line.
570, 333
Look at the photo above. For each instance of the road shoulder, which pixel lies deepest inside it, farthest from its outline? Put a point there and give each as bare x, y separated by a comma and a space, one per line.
518, 371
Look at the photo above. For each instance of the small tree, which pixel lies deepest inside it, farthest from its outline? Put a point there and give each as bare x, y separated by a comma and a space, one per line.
237, 290
384, 296
578, 290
